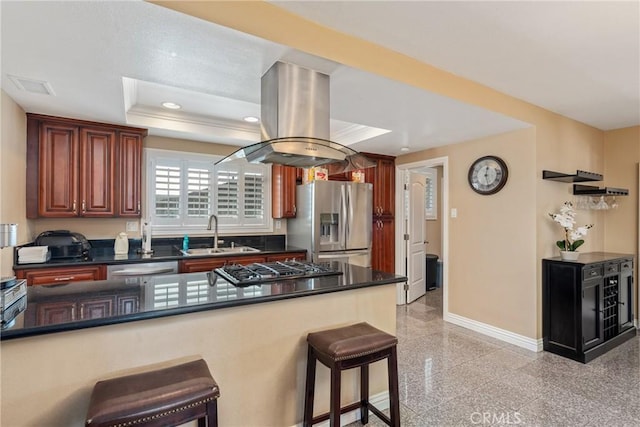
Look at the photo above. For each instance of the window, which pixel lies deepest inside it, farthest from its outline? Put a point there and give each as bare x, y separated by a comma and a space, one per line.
431, 193
184, 189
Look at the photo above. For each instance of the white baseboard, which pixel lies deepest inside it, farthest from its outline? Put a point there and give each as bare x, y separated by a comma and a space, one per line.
380, 401
531, 344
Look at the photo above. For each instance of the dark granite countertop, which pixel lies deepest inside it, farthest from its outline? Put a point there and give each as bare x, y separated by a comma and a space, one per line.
79, 305
594, 257
165, 249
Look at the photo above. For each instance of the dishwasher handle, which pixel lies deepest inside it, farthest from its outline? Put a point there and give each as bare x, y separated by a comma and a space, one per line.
142, 272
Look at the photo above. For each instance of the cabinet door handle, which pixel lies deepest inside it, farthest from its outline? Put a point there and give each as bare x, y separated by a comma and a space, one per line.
73, 207
138, 206
625, 266
593, 273
64, 279
295, 210
84, 206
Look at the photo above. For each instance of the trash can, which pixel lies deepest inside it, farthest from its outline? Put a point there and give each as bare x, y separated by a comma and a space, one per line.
432, 271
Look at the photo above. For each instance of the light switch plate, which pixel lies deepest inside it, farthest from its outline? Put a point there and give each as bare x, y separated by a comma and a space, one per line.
278, 224
454, 213
132, 225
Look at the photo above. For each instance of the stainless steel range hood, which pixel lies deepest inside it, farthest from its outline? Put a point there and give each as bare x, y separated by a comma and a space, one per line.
295, 123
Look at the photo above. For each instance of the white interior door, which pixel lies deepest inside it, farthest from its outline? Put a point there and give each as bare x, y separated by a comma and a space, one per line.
416, 267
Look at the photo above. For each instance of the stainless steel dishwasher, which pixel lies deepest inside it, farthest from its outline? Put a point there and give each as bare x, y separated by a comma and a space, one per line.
132, 271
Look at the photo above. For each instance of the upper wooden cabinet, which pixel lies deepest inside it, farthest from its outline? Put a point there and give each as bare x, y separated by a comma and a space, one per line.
130, 174
97, 172
383, 178
283, 191
78, 168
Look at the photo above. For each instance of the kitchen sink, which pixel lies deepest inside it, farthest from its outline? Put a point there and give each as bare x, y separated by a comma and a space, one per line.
219, 251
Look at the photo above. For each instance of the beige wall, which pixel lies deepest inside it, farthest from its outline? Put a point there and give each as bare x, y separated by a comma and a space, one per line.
13, 163
492, 240
434, 226
256, 353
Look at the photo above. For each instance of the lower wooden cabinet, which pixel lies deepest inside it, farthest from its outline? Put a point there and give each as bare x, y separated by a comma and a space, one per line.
61, 275
383, 245
290, 256
587, 305
208, 264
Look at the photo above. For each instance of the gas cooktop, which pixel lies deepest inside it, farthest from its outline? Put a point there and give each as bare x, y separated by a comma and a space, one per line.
262, 272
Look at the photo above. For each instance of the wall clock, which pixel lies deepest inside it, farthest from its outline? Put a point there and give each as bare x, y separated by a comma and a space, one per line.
488, 175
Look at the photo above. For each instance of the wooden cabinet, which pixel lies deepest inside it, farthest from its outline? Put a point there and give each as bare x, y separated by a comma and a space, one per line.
587, 305
55, 186
97, 172
383, 242
61, 275
78, 168
383, 178
283, 191
289, 256
129, 176
383, 236
344, 176
196, 265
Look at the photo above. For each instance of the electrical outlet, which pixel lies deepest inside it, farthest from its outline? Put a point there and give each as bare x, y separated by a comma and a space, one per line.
278, 224
454, 213
132, 225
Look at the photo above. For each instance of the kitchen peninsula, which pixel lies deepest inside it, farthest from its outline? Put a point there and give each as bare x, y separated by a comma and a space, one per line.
252, 337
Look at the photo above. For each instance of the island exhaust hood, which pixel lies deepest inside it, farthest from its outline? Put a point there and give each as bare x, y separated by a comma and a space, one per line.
295, 123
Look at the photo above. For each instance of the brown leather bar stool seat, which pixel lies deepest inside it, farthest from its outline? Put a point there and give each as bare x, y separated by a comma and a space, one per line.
164, 397
345, 348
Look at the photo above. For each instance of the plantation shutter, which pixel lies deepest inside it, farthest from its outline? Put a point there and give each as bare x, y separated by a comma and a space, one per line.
167, 190
254, 190
227, 195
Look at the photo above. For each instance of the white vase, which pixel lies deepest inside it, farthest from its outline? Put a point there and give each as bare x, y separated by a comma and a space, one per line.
569, 255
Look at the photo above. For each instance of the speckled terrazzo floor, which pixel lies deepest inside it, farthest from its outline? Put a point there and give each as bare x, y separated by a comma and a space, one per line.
452, 376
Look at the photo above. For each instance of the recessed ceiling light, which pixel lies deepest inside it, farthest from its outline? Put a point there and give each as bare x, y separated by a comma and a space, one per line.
404, 149
171, 105
251, 119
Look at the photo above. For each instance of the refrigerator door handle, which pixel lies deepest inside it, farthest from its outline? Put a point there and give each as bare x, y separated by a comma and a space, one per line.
343, 220
323, 255
350, 214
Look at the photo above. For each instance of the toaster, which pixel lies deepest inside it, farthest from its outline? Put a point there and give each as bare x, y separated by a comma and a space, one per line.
64, 244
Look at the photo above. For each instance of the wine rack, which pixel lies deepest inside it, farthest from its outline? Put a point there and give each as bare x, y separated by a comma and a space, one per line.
610, 308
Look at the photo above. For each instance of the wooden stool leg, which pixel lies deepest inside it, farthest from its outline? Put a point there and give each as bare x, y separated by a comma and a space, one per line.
309, 388
334, 407
364, 393
212, 415
394, 395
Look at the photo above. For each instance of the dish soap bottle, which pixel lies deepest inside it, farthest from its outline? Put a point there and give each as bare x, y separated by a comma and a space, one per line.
185, 243
121, 244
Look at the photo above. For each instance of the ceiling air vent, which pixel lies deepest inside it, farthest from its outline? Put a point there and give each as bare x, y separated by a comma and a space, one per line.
34, 86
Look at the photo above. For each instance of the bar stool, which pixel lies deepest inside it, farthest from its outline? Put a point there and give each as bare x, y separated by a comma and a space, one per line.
349, 347
164, 397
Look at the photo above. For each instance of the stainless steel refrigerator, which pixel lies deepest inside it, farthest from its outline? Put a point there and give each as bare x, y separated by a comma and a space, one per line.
333, 221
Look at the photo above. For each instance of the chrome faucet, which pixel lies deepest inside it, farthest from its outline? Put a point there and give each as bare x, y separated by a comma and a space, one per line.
215, 230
